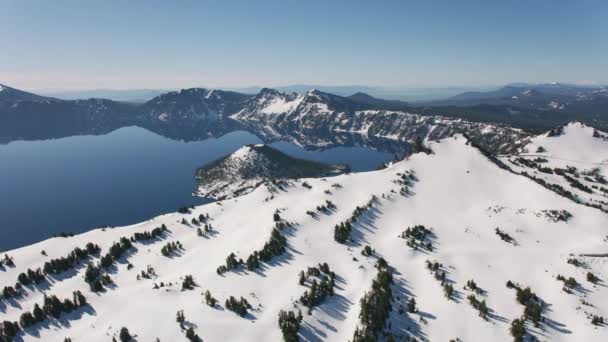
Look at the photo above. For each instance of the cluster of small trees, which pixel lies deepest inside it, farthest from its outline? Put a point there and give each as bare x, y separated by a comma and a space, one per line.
533, 304
558, 215
7, 261
479, 306
367, 251
209, 299
8, 330
518, 329
436, 269
406, 179
94, 277
375, 306
188, 283
206, 230
53, 307
342, 231
116, 251
503, 236
275, 246
575, 262
184, 210
124, 335
472, 285
575, 183
329, 205
9, 292
171, 247
201, 219
239, 307
417, 237
569, 283
597, 320
318, 291
149, 235
148, 273
321, 271
592, 278
231, 263
289, 322
55, 266
191, 335
30, 276
556, 188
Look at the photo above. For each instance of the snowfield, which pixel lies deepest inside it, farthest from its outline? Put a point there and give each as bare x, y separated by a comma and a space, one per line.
580, 150
456, 192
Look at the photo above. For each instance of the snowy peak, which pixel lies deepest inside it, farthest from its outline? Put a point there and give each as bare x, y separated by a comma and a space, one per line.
574, 141
250, 166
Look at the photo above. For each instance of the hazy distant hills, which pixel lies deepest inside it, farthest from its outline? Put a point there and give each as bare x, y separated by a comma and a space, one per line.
389, 93
196, 113
123, 95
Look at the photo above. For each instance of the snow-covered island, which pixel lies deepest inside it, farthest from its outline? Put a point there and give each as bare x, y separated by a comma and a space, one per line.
252, 165
454, 245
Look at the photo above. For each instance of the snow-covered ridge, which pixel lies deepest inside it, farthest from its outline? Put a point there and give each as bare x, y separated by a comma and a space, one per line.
456, 193
573, 157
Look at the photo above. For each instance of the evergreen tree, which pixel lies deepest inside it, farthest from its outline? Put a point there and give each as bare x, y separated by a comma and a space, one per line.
518, 330
411, 306
290, 325
124, 335
209, 299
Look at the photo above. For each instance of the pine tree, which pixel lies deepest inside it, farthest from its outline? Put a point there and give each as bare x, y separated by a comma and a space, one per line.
180, 318
209, 299
518, 330
411, 305
124, 335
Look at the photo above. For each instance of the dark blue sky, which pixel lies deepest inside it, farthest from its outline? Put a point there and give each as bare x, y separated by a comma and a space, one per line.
173, 44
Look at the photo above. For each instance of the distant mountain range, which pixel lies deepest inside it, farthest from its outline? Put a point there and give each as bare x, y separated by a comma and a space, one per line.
197, 113
390, 93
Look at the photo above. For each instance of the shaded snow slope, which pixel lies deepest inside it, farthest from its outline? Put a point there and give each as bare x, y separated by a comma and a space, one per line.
458, 193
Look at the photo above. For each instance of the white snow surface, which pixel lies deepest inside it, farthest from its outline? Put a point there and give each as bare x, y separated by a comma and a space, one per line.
459, 193
280, 105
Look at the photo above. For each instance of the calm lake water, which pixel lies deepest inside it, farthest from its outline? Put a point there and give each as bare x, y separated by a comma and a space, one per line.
75, 184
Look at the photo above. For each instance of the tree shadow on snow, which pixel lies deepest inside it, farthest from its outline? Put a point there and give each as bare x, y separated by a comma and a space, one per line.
364, 224
401, 322
64, 321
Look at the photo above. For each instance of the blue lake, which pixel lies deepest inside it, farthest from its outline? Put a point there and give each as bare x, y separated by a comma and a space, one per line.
78, 183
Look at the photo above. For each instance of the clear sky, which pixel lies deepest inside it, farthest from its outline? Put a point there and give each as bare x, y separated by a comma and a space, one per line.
223, 43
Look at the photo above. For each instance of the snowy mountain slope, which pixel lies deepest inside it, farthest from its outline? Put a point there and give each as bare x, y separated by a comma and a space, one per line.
573, 156
279, 114
456, 192
250, 166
